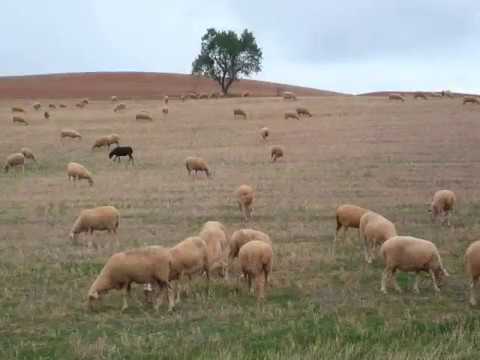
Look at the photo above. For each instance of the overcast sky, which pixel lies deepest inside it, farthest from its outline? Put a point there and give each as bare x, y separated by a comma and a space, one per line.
351, 45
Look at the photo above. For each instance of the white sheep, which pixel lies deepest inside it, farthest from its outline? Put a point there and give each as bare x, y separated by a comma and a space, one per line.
215, 237
119, 107
239, 112
442, 205
76, 171
150, 264
114, 98
243, 236
19, 119
143, 116
102, 218
409, 254
301, 111
17, 109
375, 230
396, 97
28, 153
291, 115
276, 152
472, 268
106, 140
256, 259
196, 164
264, 133
347, 216
245, 198
165, 99
70, 133
15, 160
289, 95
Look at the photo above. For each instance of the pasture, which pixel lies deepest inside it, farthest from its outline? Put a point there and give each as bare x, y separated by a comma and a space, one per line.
387, 156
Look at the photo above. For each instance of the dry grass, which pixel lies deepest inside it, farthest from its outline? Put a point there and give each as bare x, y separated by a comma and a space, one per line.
386, 156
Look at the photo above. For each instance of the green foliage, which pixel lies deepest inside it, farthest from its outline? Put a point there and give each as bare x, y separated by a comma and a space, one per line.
225, 57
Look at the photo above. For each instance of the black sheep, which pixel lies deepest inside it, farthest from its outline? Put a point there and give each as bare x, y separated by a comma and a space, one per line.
120, 151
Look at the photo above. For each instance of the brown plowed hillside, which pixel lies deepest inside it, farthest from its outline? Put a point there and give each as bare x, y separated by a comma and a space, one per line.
132, 85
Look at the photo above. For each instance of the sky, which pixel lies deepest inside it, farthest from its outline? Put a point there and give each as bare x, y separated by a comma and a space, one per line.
350, 46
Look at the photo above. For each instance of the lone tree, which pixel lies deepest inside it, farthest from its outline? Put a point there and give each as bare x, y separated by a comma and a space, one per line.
225, 57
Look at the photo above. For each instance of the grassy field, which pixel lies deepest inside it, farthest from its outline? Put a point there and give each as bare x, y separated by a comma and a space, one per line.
389, 157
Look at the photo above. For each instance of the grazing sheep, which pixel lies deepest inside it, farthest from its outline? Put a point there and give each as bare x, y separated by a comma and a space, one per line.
18, 109
46, 115
215, 237
301, 111
70, 133
264, 133
419, 95
147, 265
470, 100
114, 98
15, 160
347, 216
409, 254
442, 204
239, 112
37, 106
245, 199
289, 95
63, 106
84, 101
243, 236
80, 105
375, 230
119, 107
102, 218
106, 140
114, 139
143, 116
165, 99
120, 151
256, 258
276, 152
52, 106
472, 268
196, 164
75, 172
28, 153
396, 97
19, 119
246, 94
291, 115
165, 110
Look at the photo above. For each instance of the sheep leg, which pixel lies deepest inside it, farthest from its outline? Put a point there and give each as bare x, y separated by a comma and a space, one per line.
126, 295
473, 299
434, 280
250, 287
147, 291
383, 286
170, 296
415, 284
260, 288
366, 251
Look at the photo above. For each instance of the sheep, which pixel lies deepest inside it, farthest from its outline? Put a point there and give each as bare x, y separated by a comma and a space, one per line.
243, 236
165, 110
239, 112
264, 133
106, 140
256, 258
291, 115
245, 199
150, 264
375, 230
19, 119
197, 164
63, 106
28, 153
70, 133
17, 109
470, 100
102, 218
46, 115
409, 254
396, 97
442, 204
119, 107
246, 94
183, 98
276, 152
347, 216
80, 105
114, 98
165, 99
15, 160
52, 106
214, 235
37, 106
419, 95
301, 111
289, 95
472, 268
143, 116
84, 101
75, 172
120, 151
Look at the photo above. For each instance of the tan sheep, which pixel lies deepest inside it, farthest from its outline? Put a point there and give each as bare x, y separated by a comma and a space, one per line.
143, 116
396, 97
215, 237
114, 139
75, 172
19, 119
419, 95
245, 199
80, 105
291, 115
37, 106
119, 107
165, 99
375, 230
28, 153
243, 236
196, 164
106, 140
264, 133
470, 100
147, 265
472, 268
70, 133
114, 98
442, 205
85, 101
15, 160
289, 95
17, 109
409, 254
52, 106
165, 110
46, 115
63, 106
276, 152
103, 218
256, 259
347, 216
239, 112
301, 111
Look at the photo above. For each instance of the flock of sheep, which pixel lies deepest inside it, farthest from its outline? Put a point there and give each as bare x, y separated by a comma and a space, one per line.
159, 268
